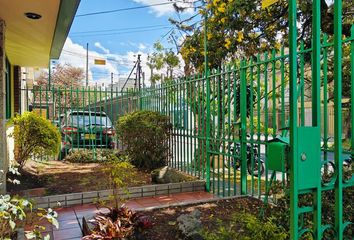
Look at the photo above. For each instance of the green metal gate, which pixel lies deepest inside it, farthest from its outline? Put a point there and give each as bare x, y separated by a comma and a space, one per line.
305, 141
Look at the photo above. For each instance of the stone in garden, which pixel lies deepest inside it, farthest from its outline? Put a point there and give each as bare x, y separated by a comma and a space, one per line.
190, 225
167, 175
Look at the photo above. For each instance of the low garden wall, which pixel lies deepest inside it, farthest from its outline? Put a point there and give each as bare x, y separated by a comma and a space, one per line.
65, 200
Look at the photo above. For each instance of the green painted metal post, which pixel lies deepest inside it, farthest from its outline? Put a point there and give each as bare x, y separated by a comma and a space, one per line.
316, 103
206, 75
325, 100
338, 117
243, 139
294, 221
352, 90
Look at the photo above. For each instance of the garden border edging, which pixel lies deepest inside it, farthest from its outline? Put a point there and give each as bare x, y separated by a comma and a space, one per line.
70, 199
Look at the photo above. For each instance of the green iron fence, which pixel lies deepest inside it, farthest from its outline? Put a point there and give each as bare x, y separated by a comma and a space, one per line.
86, 117
280, 118
223, 123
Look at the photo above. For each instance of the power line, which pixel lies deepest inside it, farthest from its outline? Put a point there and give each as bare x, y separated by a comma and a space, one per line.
77, 54
119, 33
120, 29
123, 9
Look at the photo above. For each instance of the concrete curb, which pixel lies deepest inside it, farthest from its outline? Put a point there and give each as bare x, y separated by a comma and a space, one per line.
216, 199
65, 200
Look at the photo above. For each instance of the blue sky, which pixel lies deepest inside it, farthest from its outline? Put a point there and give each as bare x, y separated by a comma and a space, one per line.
118, 36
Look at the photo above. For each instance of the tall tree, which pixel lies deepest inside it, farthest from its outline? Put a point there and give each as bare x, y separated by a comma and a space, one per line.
65, 76
242, 27
160, 59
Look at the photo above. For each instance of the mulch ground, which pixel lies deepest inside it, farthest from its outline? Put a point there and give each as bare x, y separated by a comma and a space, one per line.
165, 220
59, 177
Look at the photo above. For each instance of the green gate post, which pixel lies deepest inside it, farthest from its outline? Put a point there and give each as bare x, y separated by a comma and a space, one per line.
294, 221
316, 104
243, 139
338, 117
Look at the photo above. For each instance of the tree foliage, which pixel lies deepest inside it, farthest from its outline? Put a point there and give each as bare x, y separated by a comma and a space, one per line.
64, 76
242, 28
159, 60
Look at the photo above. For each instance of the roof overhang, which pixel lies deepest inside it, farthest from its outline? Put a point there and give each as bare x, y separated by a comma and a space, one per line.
29, 42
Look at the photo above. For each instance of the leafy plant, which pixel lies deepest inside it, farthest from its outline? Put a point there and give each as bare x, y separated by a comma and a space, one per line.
118, 223
34, 136
119, 174
245, 226
13, 212
145, 135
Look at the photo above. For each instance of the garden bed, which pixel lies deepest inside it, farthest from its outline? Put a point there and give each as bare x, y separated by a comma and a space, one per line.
61, 177
165, 220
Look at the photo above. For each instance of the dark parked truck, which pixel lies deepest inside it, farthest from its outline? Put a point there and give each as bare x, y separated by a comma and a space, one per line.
86, 129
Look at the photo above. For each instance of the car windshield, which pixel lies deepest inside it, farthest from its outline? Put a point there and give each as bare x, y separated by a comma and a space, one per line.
86, 119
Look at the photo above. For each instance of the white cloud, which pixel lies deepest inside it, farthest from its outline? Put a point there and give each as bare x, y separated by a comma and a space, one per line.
142, 46
168, 8
99, 45
119, 64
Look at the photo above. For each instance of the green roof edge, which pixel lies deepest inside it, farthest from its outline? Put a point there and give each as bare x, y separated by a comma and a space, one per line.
66, 15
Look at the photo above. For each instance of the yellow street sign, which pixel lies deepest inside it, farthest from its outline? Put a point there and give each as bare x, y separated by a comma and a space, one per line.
100, 62
267, 3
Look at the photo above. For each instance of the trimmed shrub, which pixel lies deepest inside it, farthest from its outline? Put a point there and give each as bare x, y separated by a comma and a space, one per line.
89, 156
145, 135
34, 137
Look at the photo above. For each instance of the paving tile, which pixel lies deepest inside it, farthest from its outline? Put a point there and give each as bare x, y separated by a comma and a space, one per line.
167, 200
146, 201
68, 224
185, 197
67, 234
66, 214
86, 213
133, 205
84, 207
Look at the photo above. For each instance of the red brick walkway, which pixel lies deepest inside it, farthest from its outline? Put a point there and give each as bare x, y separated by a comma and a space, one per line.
70, 219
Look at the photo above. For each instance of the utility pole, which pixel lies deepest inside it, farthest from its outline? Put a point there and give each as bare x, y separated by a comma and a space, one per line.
111, 85
138, 69
143, 73
87, 64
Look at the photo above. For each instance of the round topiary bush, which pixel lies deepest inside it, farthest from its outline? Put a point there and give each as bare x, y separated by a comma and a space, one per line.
34, 137
145, 135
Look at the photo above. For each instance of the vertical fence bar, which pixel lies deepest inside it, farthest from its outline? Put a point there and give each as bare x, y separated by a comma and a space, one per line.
208, 113
352, 91
338, 117
316, 103
243, 139
234, 137
302, 83
222, 139
251, 84
274, 103
325, 100
228, 128
282, 91
259, 117
294, 221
